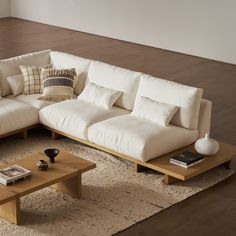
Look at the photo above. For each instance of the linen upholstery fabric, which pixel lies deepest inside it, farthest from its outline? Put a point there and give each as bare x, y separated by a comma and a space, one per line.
138, 138
10, 66
16, 83
61, 60
99, 96
185, 97
58, 84
15, 115
156, 112
32, 100
204, 121
113, 77
73, 117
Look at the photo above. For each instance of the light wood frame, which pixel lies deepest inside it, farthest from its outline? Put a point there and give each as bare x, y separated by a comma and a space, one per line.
161, 164
21, 133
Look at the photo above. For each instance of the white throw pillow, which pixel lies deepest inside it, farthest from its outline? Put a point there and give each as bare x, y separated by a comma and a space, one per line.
99, 96
79, 83
116, 78
186, 98
16, 83
154, 111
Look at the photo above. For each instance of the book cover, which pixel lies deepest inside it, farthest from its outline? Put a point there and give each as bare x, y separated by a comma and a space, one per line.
13, 173
187, 158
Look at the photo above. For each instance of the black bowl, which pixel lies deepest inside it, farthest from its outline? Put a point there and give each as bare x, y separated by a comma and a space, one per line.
51, 153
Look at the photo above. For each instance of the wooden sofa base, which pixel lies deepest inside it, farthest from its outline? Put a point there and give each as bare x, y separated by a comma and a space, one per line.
21, 133
162, 164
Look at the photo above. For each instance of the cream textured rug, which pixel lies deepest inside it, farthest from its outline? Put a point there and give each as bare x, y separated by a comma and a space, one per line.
114, 196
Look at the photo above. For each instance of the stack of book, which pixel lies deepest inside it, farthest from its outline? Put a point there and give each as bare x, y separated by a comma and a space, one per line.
12, 174
186, 159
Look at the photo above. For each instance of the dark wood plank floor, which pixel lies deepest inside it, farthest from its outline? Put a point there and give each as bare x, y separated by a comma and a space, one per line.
211, 212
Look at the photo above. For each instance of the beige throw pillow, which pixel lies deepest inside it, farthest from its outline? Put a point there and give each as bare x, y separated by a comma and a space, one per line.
79, 82
16, 83
32, 78
58, 85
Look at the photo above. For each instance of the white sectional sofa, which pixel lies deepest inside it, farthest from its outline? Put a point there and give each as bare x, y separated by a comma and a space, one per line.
114, 130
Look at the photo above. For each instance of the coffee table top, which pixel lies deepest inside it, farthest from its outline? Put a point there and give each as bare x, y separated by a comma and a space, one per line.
66, 166
226, 153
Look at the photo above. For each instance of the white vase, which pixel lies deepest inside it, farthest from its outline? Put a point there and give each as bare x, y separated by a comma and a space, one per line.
206, 146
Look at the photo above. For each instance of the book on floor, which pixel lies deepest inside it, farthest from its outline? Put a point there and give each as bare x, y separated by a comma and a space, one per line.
12, 174
186, 159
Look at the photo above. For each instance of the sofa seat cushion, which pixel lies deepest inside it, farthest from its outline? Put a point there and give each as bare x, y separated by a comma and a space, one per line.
31, 99
15, 115
138, 138
73, 117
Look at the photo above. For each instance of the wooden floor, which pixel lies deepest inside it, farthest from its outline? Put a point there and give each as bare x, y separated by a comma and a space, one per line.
211, 212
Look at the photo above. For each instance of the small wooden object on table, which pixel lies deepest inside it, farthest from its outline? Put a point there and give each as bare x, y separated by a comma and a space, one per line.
64, 175
173, 172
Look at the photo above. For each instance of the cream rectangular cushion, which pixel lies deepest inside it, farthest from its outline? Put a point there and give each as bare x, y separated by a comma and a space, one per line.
10, 66
117, 78
187, 98
73, 117
16, 115
138, 138
61, 60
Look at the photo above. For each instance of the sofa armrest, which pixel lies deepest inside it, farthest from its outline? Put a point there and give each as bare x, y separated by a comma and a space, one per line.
204, 121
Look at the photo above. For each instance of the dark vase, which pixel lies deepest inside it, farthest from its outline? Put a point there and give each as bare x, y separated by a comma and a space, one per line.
51, 153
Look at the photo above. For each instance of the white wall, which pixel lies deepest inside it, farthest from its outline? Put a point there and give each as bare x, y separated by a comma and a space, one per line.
4, 8
205, 28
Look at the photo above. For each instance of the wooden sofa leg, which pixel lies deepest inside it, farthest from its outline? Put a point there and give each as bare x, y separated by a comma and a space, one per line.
55, 135
23, 134
169, 179
138, 167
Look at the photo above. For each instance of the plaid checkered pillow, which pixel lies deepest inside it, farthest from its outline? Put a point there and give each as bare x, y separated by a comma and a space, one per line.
32, 79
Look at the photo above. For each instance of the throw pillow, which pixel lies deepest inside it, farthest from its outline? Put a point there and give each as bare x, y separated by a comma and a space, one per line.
154, 111
99, 96
79, 82
16, 83
58, 84
32, 78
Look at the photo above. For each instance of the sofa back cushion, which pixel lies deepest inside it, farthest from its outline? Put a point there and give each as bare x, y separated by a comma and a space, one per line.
10, 66
60, 60
113, 77
185, 97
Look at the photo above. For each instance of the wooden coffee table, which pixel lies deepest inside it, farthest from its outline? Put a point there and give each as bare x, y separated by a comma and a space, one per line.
64, 175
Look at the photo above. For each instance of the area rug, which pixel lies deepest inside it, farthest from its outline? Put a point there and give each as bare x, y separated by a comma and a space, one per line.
114, 197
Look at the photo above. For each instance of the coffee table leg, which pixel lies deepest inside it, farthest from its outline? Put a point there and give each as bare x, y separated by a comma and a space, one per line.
11, 211
169, 179
71, 186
